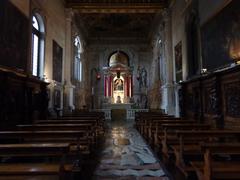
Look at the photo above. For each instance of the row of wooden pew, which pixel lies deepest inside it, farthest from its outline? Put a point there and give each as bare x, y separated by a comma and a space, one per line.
194, 147
50, 149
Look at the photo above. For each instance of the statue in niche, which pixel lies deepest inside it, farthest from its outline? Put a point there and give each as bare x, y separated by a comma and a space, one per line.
118, 99
144, 102
143, 78
118, 85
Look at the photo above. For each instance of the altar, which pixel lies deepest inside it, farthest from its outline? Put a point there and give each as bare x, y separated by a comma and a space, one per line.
118, 86
118, 80
118, 111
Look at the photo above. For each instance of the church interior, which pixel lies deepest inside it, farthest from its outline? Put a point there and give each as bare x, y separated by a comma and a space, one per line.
119, 89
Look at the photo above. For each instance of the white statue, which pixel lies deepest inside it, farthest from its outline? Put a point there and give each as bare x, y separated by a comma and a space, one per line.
118, 99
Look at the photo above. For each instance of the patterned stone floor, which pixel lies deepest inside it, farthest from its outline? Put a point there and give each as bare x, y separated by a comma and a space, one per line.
126, 156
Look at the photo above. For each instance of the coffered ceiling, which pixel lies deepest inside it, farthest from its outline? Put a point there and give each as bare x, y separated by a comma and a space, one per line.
117, 6
115, 25
116, 18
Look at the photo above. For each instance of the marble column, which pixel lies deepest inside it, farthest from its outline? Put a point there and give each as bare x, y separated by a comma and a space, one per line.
68, 87
168, 87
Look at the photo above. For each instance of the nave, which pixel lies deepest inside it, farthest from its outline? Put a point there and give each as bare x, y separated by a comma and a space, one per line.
74, 74
127, 156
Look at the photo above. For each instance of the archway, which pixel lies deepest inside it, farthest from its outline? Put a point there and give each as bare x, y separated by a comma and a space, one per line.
118, 79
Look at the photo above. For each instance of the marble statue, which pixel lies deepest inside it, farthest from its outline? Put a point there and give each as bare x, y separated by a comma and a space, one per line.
143, 78
118, 99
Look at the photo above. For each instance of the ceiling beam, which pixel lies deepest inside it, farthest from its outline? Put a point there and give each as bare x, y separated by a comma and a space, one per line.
117, 8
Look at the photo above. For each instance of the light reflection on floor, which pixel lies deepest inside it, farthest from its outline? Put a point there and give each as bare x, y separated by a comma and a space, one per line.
127, 156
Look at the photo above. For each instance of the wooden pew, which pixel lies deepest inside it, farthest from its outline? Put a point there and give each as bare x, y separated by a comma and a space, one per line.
140, 116
47, 127
189, 144
37, 167
79, 139
218, 169
155, 127
145, 123
62, 121
85, 113
89, 128
98, 125
82, 115
170, 136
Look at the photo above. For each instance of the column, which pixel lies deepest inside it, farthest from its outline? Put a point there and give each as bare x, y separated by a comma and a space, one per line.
168, 87
131, 86
128, 85
105, 86
125, 88
68, 87
110, 86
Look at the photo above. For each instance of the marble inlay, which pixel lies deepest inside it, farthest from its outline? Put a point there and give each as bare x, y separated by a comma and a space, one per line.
127, 156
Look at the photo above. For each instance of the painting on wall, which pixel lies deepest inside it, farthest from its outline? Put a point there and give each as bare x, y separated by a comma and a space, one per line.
178, 61
218, 35
57, 62
118, 85
14, 35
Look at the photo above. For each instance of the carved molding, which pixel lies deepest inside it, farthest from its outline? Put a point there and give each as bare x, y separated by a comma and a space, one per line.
232, 99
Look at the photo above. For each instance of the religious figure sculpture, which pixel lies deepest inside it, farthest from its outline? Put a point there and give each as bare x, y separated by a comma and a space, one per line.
143, 78
118, 99
118, 85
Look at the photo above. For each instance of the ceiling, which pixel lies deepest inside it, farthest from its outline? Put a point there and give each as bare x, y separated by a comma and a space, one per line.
116, 18
115, 25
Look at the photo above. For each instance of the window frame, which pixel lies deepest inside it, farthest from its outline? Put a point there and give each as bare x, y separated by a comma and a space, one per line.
78, 67
40, 34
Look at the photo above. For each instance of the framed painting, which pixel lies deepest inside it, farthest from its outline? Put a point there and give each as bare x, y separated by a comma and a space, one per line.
217, 36
57, 62
178, 61
14, 37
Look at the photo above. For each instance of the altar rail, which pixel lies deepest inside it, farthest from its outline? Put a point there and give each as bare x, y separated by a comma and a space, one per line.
131, 113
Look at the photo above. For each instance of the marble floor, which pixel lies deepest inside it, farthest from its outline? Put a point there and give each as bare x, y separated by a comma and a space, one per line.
126, 156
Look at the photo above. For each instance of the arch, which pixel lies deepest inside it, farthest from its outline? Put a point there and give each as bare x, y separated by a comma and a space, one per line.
40, 21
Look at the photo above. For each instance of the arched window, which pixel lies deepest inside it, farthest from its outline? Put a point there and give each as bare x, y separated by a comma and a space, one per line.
77, 59
37, 45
